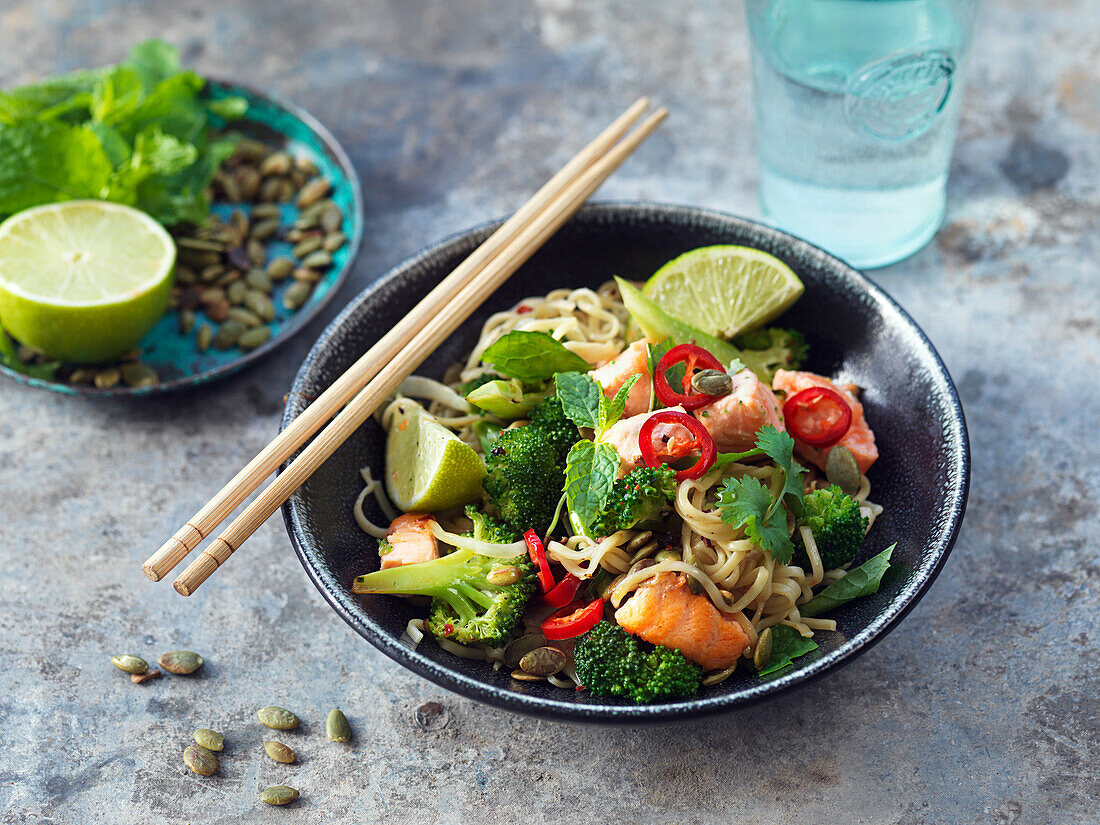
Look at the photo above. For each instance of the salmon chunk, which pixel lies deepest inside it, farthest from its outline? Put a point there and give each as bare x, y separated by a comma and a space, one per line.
859, 438
412, 540
663, 611
733, 420
623, 436
634, 360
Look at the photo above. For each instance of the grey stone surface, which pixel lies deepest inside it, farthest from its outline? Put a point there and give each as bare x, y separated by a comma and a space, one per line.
981, 707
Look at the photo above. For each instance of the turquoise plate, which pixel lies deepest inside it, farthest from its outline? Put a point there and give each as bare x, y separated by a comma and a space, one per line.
173, 355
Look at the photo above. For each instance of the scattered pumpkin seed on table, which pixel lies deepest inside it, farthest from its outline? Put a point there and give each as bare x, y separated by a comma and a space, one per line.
209, 739
142, 678
129, 663
200, 760
180, 662
278, 795
337, 727
278, 718
280, 752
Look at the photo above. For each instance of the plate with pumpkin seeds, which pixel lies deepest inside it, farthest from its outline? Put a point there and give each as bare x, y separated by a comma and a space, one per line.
285, 224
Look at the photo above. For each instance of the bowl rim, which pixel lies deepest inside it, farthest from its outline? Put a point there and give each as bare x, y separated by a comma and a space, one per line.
955, 435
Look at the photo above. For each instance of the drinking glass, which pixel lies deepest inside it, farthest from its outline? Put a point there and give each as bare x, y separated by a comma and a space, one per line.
857, 104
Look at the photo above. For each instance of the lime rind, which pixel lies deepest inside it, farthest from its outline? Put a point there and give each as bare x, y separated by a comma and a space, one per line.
428, 467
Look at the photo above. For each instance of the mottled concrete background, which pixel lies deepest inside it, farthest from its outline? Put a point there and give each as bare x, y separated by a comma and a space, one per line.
982, 707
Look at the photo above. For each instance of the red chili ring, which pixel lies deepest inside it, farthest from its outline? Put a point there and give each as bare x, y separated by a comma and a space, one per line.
703, 442
537, 554
569, 622
564, 591
817, 416
691, 356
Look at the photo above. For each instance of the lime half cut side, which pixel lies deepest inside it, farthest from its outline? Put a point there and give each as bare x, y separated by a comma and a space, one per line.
83, 281
428, 467
724, 290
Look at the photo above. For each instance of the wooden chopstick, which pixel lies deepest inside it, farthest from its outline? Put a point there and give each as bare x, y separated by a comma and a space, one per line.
245, 482
435, 330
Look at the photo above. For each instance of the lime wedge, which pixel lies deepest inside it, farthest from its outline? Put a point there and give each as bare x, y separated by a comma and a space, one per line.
428, 468
724, 290
83, 281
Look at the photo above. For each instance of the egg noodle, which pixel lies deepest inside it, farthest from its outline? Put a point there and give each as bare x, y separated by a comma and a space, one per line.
737, 576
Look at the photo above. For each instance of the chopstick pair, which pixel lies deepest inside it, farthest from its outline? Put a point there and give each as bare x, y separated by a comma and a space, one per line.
355, 395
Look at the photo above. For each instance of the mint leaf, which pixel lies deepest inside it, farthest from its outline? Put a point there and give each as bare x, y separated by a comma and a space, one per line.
47, 162
532, 356
590, 472
787, 645
611, 409
746, 502
862, 581
580, 398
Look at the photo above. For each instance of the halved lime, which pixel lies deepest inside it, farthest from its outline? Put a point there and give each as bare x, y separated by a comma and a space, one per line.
724, 290
428, 468
83, 281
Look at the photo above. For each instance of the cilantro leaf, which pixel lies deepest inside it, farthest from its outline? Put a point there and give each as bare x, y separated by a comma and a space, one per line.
532, 356
787, 645
590, 472
862, 581
611, 409
580, 398
779, 447
746, 502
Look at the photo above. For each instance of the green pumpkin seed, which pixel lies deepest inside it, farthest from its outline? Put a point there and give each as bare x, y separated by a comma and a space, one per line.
542, 661
278, 718
280, 268
209, 739
212, 295
263, 211
306, 166
186, 321
307, 246
250, 149
238, 226
245, 316
138, 375
333, 241
287, 190
259, 303
203, 337
712, 382
503, 575
666, 555
270, 190
186, 275
297, 294
232, 189
310, 276
317, 260
200, 245
331, 218
200, 760
253, 337
227, 335
82, 375
278, 795
280, 752
256, 251
258, 279
842, 470
524, 676
336, 726
313, 192
236, 292
180, 662
107, 378
265, 229
276, 164
248, 179
230, 277
211, 273
762, 653
521, 646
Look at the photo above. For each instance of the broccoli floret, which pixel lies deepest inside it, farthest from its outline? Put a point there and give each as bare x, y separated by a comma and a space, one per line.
466, 606
838, 528
636, 498
487, 528
766, 350
611, 662
526, 468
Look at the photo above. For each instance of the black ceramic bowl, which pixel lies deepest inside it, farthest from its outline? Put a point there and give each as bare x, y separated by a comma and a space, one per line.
853, 328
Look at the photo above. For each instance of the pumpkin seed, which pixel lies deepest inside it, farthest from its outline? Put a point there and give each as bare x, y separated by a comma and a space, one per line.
313, 192
331, 217
278, 795
542, 661
82, 375
107, 378
180, 662
521, 646
253, 337
287, 191
762, 653
307, 246
232, 189
227, 335
278, 718
276, 164
138, 375
200, 245
251, 149
231, 276
209, 739
638, 540
265, 229
258, 279
263, 211
307, 166
212, 295
245, 316
503, 575
333, 241
695, 586
280, 752
712, 382
248, 179
336, 726
666, 555
523, 676
186, 275
310, 276
317, 260
257, 254
211, 273
186, 321
238, 226
200, 760
259, 303
142, 678
297, 294
270, 190
842, 470
203, 337
218, 311
280, 268
236, 292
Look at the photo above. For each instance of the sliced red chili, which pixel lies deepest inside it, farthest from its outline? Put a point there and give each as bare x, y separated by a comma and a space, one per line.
656, 456
568, 622
564, 591
537, 554
817, 416
693, 358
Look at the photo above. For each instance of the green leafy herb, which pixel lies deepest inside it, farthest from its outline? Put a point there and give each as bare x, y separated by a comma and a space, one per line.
590, 472
136, 133
730, 458
532, 356
779, 447
9, 357
580, 398
611, 409
787, 645
862, 581
746, 502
